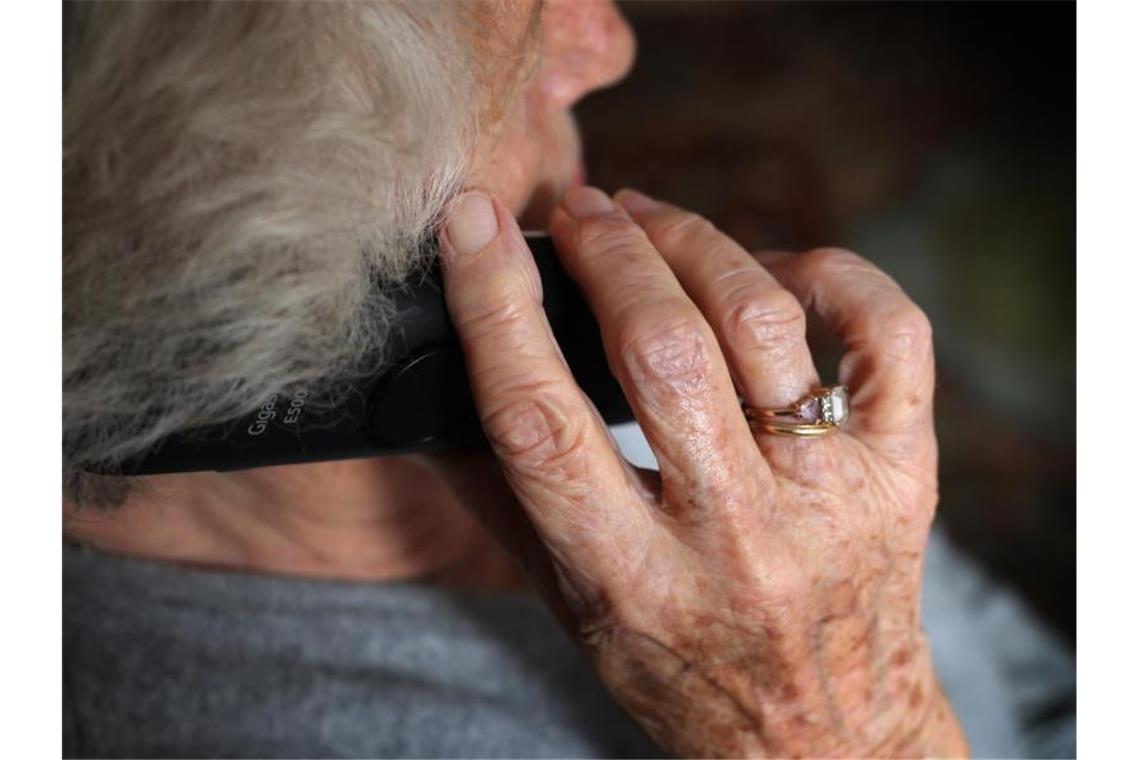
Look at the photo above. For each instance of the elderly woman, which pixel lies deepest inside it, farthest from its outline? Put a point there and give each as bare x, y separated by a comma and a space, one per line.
236, 178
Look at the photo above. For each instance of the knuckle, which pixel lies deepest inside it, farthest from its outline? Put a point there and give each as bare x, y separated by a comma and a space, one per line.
602, 235
833, 259
536, 431
780, 592
680, 228
674, 358
768, 320
504, 298
834, 264
500, 317
907, 334
724, 498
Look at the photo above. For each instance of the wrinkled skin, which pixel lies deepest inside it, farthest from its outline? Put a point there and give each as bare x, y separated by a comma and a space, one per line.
759, 596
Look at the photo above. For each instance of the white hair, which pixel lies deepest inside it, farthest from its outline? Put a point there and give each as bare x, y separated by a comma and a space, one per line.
236, 178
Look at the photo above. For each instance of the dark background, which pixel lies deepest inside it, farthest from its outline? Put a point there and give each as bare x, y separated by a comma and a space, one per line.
937, 140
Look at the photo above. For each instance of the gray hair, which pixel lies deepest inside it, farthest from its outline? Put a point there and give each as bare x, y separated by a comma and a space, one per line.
236, 177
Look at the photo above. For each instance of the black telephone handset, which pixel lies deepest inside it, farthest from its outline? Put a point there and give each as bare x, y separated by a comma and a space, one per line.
418, 400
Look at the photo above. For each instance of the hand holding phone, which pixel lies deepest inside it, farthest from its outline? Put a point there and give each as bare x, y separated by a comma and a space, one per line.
760, 595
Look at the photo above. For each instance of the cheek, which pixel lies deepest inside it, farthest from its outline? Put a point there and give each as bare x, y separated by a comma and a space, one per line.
510, 161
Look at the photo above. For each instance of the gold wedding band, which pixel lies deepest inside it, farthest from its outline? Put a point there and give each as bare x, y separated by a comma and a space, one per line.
821, 412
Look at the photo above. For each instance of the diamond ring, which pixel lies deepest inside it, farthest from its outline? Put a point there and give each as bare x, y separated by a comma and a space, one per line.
821, 412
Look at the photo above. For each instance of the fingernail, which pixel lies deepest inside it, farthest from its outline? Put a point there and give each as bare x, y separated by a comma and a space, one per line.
472, 224
586, 201
635, 202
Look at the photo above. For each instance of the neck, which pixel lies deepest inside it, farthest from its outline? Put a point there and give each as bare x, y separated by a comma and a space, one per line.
385, 519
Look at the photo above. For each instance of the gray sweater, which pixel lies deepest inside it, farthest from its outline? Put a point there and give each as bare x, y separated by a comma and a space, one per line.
168, 661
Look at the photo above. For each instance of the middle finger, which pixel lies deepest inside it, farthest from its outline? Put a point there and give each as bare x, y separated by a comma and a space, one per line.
761, 325
660, 347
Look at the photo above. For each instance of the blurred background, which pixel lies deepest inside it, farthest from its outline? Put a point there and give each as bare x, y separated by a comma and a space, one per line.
937, 140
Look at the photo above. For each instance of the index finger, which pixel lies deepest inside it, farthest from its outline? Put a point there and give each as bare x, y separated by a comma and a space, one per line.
555, 451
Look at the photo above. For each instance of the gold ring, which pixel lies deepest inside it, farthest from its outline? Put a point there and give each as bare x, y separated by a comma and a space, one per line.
821, 412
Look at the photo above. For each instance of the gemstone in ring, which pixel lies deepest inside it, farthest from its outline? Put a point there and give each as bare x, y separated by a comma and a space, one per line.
821, 412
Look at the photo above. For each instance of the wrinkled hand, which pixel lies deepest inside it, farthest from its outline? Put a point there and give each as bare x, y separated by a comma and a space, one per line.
760, 596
